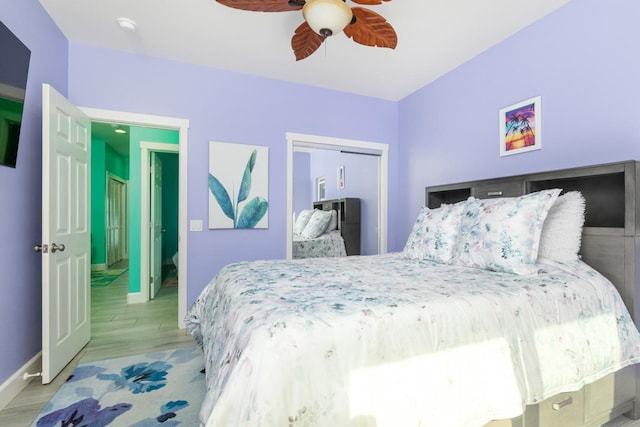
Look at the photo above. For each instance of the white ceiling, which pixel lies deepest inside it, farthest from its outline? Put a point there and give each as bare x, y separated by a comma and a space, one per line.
434, 36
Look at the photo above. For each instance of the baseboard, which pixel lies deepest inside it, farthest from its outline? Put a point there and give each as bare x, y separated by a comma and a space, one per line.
135, 298
98, 267
16, 383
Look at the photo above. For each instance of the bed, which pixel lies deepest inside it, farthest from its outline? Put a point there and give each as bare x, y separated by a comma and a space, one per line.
437, 337
328, 244
330, 229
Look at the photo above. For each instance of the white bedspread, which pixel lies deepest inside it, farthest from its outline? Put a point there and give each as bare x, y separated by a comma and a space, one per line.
329, 244
383, 341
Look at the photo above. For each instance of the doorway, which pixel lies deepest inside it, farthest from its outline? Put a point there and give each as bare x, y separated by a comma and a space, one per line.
159, 209
158, 122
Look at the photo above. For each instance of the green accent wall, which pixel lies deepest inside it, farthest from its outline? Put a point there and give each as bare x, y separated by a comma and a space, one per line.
138, 135
98, 184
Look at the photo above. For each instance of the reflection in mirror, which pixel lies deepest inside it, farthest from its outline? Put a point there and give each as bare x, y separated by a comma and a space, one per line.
14, 68
344, 187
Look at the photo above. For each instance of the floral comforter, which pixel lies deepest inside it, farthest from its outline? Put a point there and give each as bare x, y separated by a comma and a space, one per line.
386, 341
330, 244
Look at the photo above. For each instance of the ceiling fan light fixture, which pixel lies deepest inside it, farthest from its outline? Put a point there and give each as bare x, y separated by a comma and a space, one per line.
327, 17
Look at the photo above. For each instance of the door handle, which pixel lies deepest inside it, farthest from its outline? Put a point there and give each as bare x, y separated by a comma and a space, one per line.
41, 248
55, 248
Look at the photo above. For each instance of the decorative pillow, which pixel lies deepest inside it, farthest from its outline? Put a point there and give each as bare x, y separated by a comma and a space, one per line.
303, 218
317, 225
504, 234
562, 230
435, 233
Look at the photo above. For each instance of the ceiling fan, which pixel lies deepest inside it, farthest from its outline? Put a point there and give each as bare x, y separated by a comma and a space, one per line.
324, 18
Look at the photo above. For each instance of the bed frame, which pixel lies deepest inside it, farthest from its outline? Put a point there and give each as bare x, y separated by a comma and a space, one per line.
348, 209
611, 245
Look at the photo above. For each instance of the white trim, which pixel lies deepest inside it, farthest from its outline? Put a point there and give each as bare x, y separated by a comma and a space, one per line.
16, 383
137, 297
182, 126
145, 149
98, 267
297, 141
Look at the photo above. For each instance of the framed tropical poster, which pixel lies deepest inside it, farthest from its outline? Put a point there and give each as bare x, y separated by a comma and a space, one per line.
340, 177
521, 127
238, 185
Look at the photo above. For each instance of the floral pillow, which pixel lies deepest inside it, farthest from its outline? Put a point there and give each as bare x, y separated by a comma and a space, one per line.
504, 234
435, 233
317, 225
301, 221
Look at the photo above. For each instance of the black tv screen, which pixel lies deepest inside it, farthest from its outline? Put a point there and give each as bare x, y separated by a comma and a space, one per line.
14, 68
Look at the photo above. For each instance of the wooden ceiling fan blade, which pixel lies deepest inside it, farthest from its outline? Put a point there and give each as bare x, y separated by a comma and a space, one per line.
371, 29
264, 5
369, 2
305, 41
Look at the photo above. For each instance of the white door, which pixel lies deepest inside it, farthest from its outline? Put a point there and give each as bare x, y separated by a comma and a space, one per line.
66, 232
155, 246
115, 222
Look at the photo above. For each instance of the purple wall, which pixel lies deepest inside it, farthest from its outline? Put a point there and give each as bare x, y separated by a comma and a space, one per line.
302, 187
20, 189
581, 60
229, 107
361, 177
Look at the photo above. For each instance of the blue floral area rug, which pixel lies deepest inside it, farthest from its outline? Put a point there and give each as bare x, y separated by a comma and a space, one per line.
156, 389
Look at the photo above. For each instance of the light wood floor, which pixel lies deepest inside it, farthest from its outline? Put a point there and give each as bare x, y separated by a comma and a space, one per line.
117, 330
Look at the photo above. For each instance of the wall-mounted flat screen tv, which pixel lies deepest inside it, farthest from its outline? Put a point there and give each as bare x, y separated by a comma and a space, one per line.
14, 68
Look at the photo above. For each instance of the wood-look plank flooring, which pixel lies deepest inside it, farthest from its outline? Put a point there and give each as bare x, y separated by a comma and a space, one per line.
117, 329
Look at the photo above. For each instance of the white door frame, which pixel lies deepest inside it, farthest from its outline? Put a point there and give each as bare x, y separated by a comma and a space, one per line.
298, 140
182, 126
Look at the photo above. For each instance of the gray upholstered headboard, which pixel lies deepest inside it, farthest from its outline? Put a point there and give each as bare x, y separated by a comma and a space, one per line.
610, 238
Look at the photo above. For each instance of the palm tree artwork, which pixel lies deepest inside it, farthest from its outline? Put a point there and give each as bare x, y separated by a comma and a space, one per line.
520, 128
235, 202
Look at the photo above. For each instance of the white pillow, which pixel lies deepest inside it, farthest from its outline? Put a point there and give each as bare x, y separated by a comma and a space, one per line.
562, 230
333, 223
317, 225
504, 234
303, 218
435, 233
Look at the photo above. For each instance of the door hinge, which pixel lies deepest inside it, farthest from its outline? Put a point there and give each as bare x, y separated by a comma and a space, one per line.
150, 280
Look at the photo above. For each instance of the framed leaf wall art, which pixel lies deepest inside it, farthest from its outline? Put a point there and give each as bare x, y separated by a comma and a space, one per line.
521, 127
238, 185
